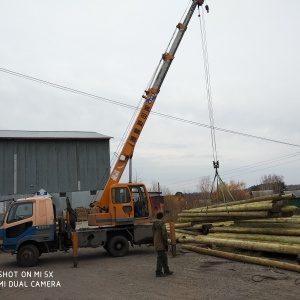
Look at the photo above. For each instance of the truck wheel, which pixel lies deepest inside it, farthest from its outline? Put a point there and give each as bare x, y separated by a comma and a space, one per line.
28, 256
118, 246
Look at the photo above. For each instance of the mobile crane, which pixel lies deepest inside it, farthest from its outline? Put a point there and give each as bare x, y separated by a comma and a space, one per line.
113, 213
30, 226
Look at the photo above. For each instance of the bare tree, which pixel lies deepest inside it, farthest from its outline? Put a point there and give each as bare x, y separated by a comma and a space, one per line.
173, 205
137, 177
156, 187
238, 190
272, 182
204, 187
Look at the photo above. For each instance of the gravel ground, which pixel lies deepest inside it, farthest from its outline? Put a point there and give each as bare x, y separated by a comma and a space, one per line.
100, 276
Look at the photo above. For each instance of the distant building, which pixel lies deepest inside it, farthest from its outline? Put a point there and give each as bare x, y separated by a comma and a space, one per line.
64, 163
262, 193
294, 201
295, 193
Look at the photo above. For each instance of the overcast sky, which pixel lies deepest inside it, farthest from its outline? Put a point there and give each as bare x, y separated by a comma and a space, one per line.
111, 49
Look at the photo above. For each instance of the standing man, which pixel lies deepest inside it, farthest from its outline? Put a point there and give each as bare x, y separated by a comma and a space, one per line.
160, 240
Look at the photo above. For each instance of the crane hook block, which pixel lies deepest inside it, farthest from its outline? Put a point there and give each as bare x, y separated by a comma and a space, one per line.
216, 164
207, 8
200, 2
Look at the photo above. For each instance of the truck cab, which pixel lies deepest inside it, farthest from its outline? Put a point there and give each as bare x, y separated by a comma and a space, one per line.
29, 229
28, 218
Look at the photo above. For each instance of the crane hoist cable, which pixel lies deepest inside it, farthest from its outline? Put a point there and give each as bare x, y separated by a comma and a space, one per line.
208, 85
217, 179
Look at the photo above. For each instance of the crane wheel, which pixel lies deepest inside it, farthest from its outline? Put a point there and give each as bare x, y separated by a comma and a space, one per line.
118, 246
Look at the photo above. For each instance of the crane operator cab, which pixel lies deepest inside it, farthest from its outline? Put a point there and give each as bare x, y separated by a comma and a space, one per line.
128, 203
140, 203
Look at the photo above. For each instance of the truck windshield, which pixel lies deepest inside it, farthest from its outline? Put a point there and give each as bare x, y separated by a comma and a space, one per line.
19, 212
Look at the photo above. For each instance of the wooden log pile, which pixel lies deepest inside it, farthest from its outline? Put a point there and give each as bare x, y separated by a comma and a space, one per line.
274, 206
262, 224
82, 212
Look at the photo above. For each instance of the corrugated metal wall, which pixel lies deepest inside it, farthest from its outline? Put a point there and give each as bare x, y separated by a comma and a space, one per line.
55, 165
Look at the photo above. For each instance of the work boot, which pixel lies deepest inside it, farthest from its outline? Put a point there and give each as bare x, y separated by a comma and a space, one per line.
169, 273
161, 275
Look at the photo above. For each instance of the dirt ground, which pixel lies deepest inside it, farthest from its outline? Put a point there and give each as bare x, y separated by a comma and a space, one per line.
100, 276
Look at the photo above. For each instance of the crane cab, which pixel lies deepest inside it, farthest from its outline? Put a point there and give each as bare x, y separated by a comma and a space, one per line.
128, 203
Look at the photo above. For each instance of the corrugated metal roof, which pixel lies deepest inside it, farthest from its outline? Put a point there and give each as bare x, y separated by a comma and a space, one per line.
262, 193
296, 193
19, 134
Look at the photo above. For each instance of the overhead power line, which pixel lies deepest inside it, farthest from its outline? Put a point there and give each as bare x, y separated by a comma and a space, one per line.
71, 90
263, 163
251, 168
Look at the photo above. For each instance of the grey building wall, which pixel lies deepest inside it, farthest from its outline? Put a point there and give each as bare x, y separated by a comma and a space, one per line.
56, 164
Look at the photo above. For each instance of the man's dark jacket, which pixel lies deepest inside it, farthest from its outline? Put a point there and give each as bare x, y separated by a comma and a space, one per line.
160, 237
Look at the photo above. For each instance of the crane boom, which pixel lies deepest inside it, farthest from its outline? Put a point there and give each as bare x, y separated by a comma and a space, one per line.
150, 97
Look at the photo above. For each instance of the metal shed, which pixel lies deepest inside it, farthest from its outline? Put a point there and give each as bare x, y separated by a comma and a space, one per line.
58, 161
